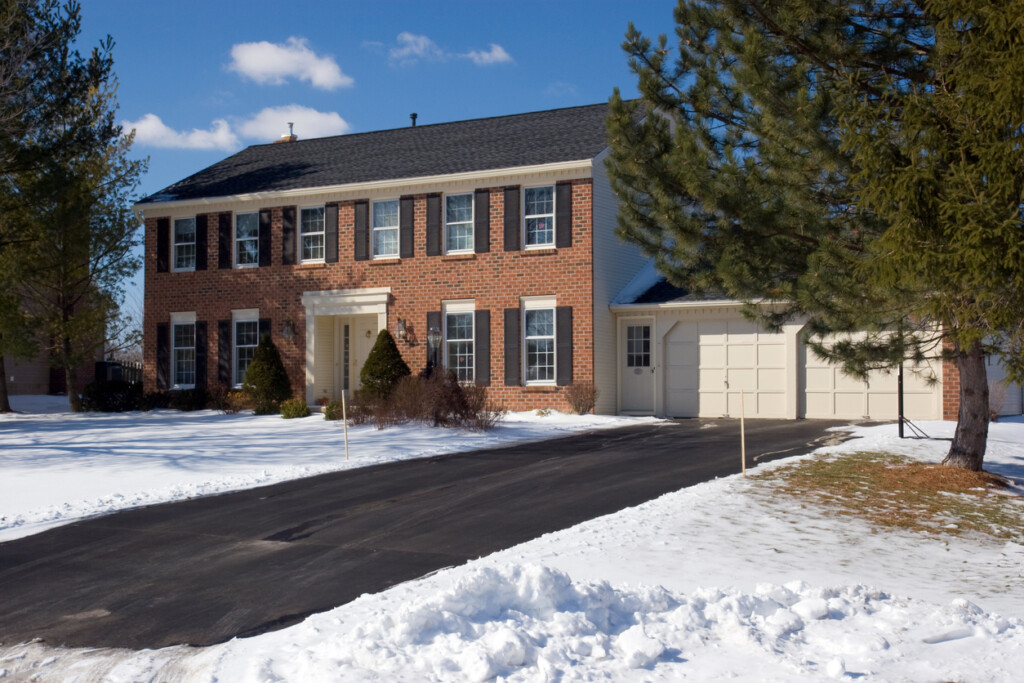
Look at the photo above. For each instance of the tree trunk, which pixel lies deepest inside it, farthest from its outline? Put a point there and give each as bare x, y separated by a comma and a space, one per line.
71, 379
968, 449
5, 401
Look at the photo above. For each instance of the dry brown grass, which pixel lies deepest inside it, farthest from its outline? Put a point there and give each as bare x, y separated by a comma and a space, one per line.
895, 492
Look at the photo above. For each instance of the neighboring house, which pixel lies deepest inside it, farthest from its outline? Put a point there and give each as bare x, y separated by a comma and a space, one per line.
497, 233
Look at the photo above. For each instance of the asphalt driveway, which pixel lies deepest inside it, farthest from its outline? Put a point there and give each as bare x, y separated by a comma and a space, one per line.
206, 570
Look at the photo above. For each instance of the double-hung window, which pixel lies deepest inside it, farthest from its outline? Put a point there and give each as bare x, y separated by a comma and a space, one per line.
247, 239
246, 338
539, 342
458, 223
311, 234
385, 229
183, 354
459, 339
185, 243
539, 216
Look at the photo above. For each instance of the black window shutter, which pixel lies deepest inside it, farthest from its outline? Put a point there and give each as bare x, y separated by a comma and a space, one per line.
200, 354
202, 240
433, 352
406, 214
362, 231
433, 224
513, 359
288, 236
163, 355
163, 244
224, 240
331, 233
264, 327
224, 351
563, 215
512, 218
482, 350
264, 242
481, 221
563, 345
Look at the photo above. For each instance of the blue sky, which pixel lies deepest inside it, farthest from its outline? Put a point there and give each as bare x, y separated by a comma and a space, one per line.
201, 80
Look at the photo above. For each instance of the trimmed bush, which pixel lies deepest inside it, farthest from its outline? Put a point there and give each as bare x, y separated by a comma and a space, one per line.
332, 411
112, 397
188, 399
384, 367
266, 383
156, 399
582, 397
294, 407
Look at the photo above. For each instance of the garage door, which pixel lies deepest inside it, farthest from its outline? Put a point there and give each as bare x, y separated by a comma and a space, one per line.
828, 393
707, 364
1012, 398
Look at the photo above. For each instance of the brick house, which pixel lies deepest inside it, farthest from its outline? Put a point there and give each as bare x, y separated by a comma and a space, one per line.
498, 234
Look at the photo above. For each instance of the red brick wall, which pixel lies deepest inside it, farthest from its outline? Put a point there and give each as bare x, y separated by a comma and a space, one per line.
495, 281
950, 390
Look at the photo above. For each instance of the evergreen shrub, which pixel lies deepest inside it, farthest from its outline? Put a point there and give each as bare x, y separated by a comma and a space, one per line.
332, 411
112, 397
384, 367
266, 383
294, 407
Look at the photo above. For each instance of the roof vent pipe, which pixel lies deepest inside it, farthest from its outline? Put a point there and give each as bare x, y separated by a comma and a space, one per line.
412, 116
291, 134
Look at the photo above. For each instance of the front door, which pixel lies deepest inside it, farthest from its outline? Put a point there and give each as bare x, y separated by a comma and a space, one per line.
637, 372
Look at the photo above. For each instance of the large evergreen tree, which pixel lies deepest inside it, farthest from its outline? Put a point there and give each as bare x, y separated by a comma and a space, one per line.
853, 163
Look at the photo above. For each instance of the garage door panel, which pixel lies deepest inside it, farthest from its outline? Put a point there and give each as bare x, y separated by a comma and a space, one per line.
773, 355
844, 382
712, 331
712, 404
771, 404
712, 379
749, 405
919, 406
680, 353
683, 332
712, 355
741, 327
742, 356
879, 381
682, 403
682, 377
819, 404
884, 406
849, 405
818, 379
742, 378
771, 379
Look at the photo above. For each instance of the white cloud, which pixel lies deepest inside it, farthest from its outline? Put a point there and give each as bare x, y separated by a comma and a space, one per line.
496, 55
412, 47
272, 122
275, 63
151, 130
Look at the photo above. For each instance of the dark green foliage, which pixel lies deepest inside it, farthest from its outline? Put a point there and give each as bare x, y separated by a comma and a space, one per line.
384, 367
294, 407
332, 411
266, 382
112, 397
154, 400
188, 399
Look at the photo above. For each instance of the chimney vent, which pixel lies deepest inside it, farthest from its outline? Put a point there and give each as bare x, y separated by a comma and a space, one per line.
413, 117
290, 137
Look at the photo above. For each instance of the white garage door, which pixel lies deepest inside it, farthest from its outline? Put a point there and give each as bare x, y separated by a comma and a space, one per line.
828, 393
707, 364
1012, 398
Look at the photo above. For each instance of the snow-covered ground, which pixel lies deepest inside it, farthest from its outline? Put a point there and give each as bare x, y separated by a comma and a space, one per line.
719, 581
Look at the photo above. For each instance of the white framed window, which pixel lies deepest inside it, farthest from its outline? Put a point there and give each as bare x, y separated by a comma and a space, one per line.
385, 228
539, 216
459, 339
185, 243
311, 234
539, 339
247, 240
458, 223
245, 326
183, 350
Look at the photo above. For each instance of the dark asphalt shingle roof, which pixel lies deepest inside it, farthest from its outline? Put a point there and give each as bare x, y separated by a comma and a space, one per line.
541, 137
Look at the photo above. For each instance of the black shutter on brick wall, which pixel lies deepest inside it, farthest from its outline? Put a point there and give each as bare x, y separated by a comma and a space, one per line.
433, 352
163, 355
264, 327
163, 244
264, 240
563, 215
224, 352
361, 251
224, 240
202, 240
288, 236
200, 354
406, 214
513, 358
331, 233
433, 224
563, 345
482, 352
481, 221
512, 218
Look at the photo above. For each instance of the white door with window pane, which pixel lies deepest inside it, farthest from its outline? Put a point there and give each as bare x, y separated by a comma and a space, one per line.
637, 372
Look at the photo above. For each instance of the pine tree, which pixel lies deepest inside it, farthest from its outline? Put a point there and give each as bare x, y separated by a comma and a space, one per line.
266, 382
384, 367
847, 163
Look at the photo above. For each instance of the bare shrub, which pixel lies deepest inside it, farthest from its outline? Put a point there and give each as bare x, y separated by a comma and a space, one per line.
996, 398
582, 397
409, 398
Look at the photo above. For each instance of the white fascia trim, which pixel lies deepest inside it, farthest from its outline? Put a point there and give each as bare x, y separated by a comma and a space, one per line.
346, 301
493, 176
675, 305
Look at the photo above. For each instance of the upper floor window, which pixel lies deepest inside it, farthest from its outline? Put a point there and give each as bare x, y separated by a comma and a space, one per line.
185, 243
311, 234
385, 228
183, 355
459, 340
458, 223
539, 216
247, 239
539, 347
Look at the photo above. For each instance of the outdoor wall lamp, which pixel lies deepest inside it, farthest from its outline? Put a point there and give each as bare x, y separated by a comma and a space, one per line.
400, 331
289, 330
434, 337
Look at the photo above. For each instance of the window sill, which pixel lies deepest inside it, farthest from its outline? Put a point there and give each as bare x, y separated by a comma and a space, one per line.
312, 264
541, 388
539, 251
459, 257
183, 270
386, 261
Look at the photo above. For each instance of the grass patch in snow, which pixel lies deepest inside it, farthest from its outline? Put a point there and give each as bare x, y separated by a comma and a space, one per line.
892, 491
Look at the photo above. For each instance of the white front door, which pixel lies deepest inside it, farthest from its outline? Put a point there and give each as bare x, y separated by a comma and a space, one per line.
637, 359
